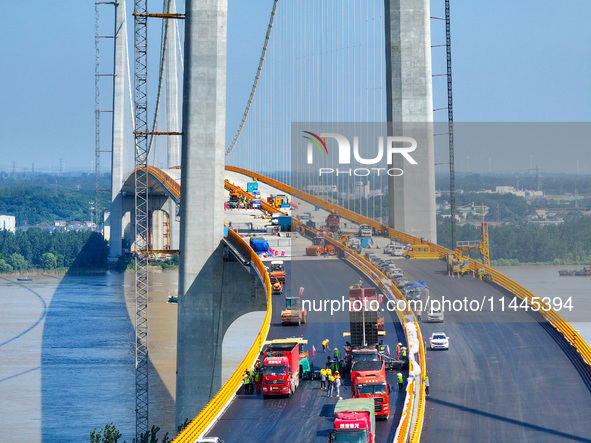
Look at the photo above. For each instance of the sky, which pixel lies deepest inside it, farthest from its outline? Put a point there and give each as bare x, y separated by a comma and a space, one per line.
525, 61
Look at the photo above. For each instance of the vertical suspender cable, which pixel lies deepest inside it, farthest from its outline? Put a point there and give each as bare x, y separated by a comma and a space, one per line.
450, 118
256, 79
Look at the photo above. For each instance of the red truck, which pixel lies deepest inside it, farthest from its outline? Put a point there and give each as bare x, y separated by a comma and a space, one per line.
281, 367
354, 421
368, 380
333, 222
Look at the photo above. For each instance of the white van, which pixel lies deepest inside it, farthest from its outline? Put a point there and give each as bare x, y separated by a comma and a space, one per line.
397, 250
365, 231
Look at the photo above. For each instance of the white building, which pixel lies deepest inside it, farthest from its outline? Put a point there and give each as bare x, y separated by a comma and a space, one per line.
8, 222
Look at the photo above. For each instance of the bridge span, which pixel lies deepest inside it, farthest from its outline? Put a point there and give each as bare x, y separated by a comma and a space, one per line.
509, 374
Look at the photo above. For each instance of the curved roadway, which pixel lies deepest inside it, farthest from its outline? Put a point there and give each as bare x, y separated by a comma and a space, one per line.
307, 416
504, 378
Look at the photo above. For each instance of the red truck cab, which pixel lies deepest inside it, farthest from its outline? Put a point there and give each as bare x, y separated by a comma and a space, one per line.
281, 368
368, 380
354, 421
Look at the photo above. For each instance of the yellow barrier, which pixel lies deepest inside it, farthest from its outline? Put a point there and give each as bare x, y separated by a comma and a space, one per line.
200, 424
171, 182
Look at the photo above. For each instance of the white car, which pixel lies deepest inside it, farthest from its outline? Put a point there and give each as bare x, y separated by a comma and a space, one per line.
435, 315
439, 340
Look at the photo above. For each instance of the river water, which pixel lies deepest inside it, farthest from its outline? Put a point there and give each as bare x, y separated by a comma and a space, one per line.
67, 349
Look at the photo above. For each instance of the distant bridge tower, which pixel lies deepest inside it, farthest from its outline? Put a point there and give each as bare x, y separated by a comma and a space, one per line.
409, 92
117, 156
172, 90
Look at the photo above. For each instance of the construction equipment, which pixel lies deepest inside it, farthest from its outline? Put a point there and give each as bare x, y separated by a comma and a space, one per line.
277, 272
481, 246
294, 313
319, 247
277, 288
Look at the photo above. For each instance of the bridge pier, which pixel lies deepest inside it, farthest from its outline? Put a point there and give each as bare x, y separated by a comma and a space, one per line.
223, 291
201, 272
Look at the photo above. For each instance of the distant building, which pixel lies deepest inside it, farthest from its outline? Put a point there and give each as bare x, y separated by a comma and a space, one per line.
8, 223
60, 224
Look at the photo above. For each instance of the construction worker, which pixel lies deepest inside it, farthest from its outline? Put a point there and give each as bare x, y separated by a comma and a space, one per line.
257, 381
403, 352
323, 378
337, 383
247, 383
277, 286
330, 384
359, 283
251, 376
336, 353
426, 381
398, 346
400, 381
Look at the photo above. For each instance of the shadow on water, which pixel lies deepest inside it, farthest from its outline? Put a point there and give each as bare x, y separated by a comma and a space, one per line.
88, 361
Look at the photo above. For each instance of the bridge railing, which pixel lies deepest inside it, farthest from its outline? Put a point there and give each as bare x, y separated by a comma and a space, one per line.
217, 405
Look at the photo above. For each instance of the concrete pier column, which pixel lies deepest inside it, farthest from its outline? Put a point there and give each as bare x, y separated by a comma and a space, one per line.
117, 166
200, 329
410, 111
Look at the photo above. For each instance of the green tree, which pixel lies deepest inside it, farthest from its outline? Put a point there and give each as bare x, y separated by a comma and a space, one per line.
48, 261
18, 262
5, 267
107, 434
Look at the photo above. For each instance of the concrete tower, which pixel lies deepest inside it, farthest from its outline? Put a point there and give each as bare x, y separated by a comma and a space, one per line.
117, 166
172, 90
200, 333
410, 111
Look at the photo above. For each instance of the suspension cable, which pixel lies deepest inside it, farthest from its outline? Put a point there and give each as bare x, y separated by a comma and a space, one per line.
256, 79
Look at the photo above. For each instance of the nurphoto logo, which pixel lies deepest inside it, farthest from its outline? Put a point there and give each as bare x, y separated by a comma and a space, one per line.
394, 145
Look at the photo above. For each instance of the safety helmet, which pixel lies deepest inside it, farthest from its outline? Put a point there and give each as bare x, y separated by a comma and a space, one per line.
328, 371
323, 371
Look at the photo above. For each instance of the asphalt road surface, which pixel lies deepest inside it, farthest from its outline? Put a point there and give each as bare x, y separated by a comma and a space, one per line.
505, 377
307, 416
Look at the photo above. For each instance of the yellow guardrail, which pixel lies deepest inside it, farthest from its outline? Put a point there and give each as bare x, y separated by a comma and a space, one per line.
211, 411
165, 178
551, 315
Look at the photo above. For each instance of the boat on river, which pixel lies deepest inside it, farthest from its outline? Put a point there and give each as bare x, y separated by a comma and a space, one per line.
585, 272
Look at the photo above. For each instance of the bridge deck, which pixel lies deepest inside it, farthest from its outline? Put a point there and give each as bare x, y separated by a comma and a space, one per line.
505, 378
307, 416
